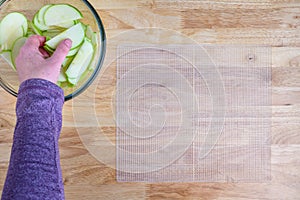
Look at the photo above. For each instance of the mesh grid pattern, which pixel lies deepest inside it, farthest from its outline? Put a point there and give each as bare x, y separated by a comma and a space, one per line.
189, 113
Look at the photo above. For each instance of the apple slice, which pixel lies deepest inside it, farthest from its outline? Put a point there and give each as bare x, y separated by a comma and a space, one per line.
73, 52
41, 12
16, 49
48, 49
67, 24
40, 24
6, 55
41, 27
95, 44
62, 77
92, 36
60, 14
94, 39
67, 62
75, 33
51, 33
12, 27
34, 28
81, 62
89, 33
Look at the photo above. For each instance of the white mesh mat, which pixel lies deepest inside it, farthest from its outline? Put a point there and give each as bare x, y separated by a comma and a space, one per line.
190, 113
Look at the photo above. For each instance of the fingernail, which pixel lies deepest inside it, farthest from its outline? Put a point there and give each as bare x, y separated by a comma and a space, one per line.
68, 42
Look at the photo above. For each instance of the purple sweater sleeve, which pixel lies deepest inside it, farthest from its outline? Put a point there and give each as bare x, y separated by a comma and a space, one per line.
34, 170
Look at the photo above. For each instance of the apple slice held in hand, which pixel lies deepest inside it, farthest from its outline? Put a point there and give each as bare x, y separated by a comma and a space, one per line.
76, 33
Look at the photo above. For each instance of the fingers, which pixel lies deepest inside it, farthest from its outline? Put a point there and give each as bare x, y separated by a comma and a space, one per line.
35, 41
44, 52
61, 51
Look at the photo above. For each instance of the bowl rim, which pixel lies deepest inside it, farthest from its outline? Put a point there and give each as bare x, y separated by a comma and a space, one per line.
98, 65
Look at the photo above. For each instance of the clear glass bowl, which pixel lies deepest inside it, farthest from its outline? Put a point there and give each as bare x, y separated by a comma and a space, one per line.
8, 77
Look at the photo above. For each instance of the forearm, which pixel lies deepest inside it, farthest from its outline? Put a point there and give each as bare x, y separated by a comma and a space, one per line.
34, 169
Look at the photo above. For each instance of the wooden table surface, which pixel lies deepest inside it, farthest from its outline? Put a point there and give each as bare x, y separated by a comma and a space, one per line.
268, 22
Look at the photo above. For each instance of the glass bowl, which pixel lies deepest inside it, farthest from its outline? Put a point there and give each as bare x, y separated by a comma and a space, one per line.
8, 76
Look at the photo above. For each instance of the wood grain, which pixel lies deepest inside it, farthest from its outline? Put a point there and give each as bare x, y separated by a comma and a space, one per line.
268, 22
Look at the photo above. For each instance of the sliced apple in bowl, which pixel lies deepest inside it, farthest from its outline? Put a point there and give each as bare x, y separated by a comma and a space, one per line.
56, 22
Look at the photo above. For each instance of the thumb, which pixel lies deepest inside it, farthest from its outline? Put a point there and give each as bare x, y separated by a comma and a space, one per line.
61, 51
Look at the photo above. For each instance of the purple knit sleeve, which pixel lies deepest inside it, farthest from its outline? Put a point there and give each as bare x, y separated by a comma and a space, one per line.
34, 170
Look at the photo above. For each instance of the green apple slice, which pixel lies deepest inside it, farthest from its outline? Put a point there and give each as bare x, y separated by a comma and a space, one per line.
67, 24
94, 39
60, 14
62, 77
67, 62
40, 26
16, 49
51, 34
92, 36
81, 62
6, 55
75, 33
89, 32
48, 49
35, 29
73, 52
41, 12
13, 26
82, 72
39, 20
30, 32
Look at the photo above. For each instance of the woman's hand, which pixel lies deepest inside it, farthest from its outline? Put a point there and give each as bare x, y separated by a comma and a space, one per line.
34, 62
